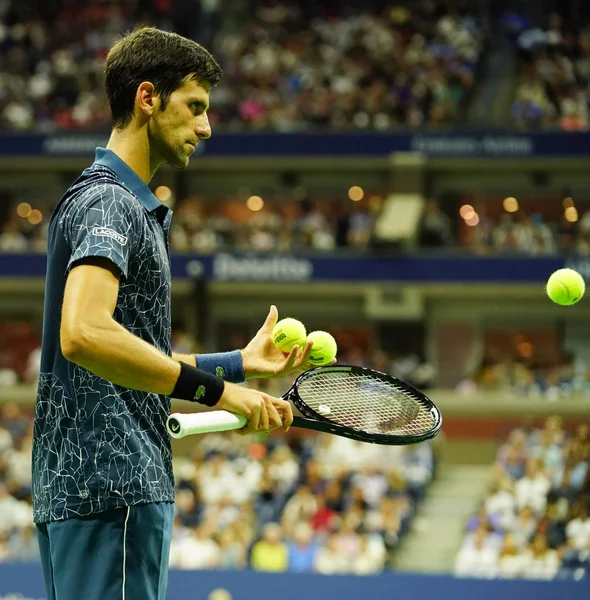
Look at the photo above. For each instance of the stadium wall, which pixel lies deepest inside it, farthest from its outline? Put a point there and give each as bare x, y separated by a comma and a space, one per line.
26, 580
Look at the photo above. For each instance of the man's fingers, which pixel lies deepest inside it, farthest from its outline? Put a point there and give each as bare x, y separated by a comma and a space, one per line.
274, 418
264, 420
305, 354
271, 319
289, 361
287, 413
253, 420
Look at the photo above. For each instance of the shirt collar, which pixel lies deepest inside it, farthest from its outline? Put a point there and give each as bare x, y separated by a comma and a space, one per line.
128, 176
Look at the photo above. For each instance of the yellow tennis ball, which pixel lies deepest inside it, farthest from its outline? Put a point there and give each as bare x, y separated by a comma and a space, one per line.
288, 332
324, 348
565, 287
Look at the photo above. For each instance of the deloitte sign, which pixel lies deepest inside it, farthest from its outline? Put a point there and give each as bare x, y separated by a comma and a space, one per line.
227, 267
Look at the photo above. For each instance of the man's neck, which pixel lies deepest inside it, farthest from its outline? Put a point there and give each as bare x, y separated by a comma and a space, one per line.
132, 147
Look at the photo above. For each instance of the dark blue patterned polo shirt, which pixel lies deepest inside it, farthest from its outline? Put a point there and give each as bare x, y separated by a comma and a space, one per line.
96, 445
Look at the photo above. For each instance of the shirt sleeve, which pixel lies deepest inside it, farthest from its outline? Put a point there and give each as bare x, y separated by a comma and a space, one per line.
104, 222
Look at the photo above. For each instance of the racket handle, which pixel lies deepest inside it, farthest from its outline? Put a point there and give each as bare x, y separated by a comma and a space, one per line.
180, 424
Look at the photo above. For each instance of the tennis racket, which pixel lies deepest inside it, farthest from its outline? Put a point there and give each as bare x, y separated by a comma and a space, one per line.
348, 401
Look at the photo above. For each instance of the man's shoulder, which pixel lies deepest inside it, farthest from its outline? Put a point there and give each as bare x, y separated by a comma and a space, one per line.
100, 183
98, 187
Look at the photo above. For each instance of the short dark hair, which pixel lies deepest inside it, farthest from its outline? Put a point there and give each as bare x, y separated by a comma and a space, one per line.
160, 57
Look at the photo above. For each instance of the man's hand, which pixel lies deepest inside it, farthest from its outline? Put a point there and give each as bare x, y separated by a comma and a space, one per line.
264, 413
262, 358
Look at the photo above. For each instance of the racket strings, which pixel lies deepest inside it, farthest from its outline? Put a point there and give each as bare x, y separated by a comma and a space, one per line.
367, 403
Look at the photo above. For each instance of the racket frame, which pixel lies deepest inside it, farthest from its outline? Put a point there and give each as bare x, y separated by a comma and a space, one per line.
314, 420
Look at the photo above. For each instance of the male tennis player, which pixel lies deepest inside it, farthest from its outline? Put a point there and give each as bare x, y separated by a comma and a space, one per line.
103, 488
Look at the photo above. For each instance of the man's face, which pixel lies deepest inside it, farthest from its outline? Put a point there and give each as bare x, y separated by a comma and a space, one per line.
175, 131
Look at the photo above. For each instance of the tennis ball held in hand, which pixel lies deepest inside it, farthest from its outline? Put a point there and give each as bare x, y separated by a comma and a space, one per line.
288, 332
565, 287
324, 348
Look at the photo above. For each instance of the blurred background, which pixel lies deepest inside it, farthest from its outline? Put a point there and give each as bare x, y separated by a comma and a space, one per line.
404, 174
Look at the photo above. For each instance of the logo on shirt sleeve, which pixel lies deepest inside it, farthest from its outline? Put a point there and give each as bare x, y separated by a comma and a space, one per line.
105, 232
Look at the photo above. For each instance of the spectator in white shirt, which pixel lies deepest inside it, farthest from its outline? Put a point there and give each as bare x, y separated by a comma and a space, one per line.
223, 514
371, 558
524, 526
215, 479
18, 464
477, 558
331, 559
540, 562
531, 490
578, 529
283, 468
246, 478
511, 561
501, 503
373, 485
195, 551
23, 545
13, 513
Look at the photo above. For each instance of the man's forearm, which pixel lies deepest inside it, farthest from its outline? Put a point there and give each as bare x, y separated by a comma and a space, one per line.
115, 354
189, 359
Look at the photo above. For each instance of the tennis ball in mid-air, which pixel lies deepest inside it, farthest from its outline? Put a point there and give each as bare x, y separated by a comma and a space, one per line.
288, 332
565, 287
323, 350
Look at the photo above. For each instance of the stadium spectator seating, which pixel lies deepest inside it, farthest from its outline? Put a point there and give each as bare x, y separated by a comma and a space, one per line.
319, 504
285, 223
546, 377
552, 91
534, 522
289, 65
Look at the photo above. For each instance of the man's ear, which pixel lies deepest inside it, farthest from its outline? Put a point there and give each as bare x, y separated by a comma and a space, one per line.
146, 99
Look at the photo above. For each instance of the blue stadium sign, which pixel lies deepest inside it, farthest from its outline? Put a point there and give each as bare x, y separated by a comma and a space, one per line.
288, 268
455, 144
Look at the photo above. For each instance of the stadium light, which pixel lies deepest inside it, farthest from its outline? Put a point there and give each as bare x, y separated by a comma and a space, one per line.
35, 217
23, 210
465, 210
510, 204
571, 214
163, 193
356, 193
255, 203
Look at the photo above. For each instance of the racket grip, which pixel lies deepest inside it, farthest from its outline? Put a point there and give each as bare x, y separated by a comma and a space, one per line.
180, 425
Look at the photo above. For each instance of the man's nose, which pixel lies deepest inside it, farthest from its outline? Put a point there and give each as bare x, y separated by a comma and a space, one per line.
203, 128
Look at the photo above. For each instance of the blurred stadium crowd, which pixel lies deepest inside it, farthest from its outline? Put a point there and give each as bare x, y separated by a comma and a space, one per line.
285, 224
329, 505
553, 88
294, 66
317, 504
502, 370
290, 65
554, 380
534, 522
